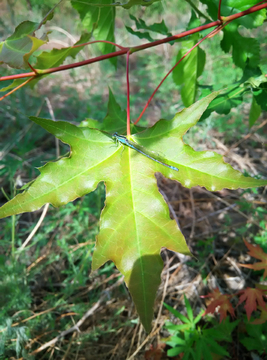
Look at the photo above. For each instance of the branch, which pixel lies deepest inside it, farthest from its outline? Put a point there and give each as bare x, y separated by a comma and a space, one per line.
255, 8
76, 327
219, 10
16, 88
114, 54
212, 33
97, 41
128, 95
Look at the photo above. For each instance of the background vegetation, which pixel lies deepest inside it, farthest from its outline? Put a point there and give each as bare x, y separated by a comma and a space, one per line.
46, 287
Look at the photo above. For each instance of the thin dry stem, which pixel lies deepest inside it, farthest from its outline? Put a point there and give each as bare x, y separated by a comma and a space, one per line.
33, 232
16, 88
99, 41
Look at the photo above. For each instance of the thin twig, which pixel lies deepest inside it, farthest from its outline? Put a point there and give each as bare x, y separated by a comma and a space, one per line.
194, 214
219, 10
31, 235
33, 69
35, 228
128, 95
150, 336
213, 32
197, 10
33, 316
114, 54
17, 87
162, 300
211, 214
99, 41
245, 137
238, 211
140, 47
132, 341
76, 327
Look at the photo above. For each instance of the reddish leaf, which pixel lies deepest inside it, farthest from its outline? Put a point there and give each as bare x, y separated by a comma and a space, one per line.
257, 252
155, 353
253, 298
219, 302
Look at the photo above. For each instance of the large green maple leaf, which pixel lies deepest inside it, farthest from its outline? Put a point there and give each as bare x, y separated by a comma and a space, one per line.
135, 223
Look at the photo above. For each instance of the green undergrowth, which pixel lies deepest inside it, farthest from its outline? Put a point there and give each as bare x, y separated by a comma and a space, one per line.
51, 275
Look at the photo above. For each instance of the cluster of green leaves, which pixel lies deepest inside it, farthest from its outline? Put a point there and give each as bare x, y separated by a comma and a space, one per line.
246, 54
255, 337
199, 338
135, 211
203, 341
196, 342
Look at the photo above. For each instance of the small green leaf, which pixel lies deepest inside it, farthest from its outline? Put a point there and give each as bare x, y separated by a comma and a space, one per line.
263, 65
190, 68
255, 112
176, 340
139, 34
55, 57
49, 59
98, 17
222, 331
91, 123
204, 351
175, 328
252, 80
200, 61
186, 72
257, 338
215, 347
245, 50
116, 118
159, 28
189, 309
194, 21
17, 48
177, 313
228, 99
14, 84
260, 95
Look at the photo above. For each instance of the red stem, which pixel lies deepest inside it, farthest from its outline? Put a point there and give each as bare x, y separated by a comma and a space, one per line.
188, 52
219, 10
16, 88
128, 95
258, 7
114, 54
32, 68
97, 41
138, 48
